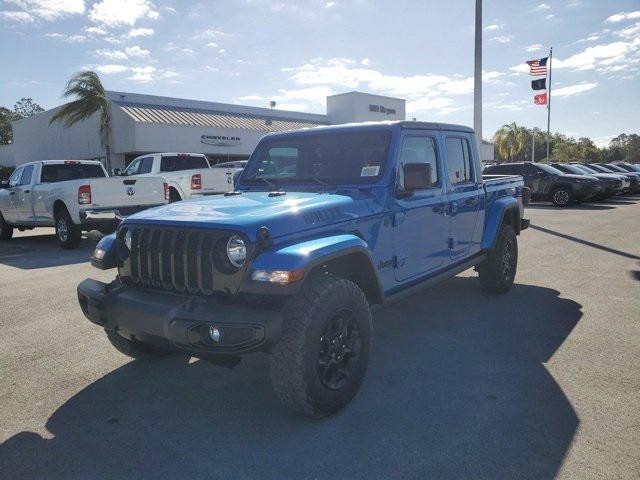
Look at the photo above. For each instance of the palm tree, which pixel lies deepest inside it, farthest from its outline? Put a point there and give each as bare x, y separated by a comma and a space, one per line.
510, 140
91, 99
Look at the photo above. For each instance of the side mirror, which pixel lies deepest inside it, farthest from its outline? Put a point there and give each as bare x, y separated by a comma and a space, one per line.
117, 172
417, 176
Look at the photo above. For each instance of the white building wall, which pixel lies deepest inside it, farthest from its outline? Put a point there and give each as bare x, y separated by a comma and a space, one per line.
363, 107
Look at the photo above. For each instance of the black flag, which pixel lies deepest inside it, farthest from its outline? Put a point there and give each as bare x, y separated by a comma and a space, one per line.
539, 84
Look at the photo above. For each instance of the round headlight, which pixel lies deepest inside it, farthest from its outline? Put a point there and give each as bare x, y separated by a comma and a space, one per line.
236, 251
127, 239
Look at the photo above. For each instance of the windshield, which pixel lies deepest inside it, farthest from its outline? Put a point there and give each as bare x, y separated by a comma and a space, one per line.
175, 163
60, 172
602, 169
324, 158
615, 168
549, 169
573, 169
586, 169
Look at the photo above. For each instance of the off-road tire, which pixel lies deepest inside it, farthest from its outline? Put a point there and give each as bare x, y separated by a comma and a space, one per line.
494, 275
134, 348
294, 363
69, 234
6, 230
562, 197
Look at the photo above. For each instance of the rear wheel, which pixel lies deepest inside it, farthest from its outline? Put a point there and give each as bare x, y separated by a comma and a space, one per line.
134, 348
6, 230
69, 234
498, 271
562, 197
318, 365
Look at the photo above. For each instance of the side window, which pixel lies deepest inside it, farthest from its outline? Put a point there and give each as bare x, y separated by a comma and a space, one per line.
419, 150
146, 164
15, 177
458, 161
27, 173
133, 167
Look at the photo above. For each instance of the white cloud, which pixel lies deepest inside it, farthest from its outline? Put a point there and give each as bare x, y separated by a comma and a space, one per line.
251, 98
112, 54
17, 17
94, 31
114, 13
213, 33
598, 56
173, 48
140, 32
111, 68
503, 38
533, 48
142, 74
67, 38
212, 45
550, 16
136, 51
330, 4
491, 77
494, 26
619, 17
543, 6
49, 9
630, 33
573, 89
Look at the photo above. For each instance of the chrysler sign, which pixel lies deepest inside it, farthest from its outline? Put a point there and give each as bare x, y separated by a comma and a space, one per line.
220, 140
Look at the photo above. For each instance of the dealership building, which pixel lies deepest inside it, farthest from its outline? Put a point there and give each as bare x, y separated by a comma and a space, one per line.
142, 124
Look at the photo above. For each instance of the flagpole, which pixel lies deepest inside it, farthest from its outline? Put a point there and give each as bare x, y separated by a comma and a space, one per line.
549, 103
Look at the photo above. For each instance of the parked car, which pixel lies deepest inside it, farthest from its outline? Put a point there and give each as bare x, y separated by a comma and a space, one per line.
73, 196
626, 183
634, 178
611, 184
629, 167
549, 183
188, 174
324, 223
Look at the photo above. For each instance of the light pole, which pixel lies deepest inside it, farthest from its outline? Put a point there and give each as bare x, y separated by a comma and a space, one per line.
477, 79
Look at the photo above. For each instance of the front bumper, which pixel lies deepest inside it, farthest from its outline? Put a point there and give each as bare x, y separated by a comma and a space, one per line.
588, 191
179, 321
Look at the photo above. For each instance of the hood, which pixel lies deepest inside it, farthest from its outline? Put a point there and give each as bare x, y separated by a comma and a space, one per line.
574, 176
281, 214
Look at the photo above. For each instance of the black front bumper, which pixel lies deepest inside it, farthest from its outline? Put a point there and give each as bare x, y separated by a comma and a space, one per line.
178, 321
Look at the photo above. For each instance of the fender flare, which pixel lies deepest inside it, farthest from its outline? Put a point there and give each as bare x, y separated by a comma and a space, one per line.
501, 208
310, 255
176, 186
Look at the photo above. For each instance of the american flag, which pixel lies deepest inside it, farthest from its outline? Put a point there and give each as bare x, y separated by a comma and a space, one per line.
538, 68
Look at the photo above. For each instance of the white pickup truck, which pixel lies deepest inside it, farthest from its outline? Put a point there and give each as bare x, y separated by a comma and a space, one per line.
72, 196
188, 174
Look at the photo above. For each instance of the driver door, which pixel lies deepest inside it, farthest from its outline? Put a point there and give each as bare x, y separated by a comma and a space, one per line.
11, 213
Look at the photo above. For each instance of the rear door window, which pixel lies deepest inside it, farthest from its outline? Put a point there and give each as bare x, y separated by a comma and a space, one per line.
175, 163
458, 161
60, 172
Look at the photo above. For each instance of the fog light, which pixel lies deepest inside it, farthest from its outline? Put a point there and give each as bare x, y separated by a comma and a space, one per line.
215, 334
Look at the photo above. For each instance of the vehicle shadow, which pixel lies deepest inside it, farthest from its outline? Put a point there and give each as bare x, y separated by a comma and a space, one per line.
575, 206
456, 388
43, 251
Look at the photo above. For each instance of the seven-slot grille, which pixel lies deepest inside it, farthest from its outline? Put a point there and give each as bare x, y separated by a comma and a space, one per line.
174, 258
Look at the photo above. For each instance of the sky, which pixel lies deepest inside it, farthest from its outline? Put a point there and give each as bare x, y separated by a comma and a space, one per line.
296, 53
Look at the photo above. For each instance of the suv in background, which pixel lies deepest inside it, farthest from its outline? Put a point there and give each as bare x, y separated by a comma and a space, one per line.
549, 183
606, 168
611, 184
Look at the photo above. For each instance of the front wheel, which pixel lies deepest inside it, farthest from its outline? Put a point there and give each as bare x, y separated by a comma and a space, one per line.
562, 197
69, 234
6, 230
318, 365
498, 271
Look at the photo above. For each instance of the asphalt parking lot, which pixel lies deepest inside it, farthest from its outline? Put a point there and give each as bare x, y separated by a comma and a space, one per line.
540, 383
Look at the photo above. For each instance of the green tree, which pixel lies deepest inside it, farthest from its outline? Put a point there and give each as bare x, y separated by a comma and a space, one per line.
6, 132
26, 107
91, 99
510, 140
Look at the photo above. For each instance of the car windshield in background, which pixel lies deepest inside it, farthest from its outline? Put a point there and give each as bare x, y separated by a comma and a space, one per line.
60, 172
323, 158
586, 169
574, 169
549, 169
175, 163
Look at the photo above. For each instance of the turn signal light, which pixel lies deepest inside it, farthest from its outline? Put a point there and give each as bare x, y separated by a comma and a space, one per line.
196, 182
84, 195
281, 277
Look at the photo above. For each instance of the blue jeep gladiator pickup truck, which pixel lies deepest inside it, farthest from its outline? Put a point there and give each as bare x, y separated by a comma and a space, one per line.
324, 223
